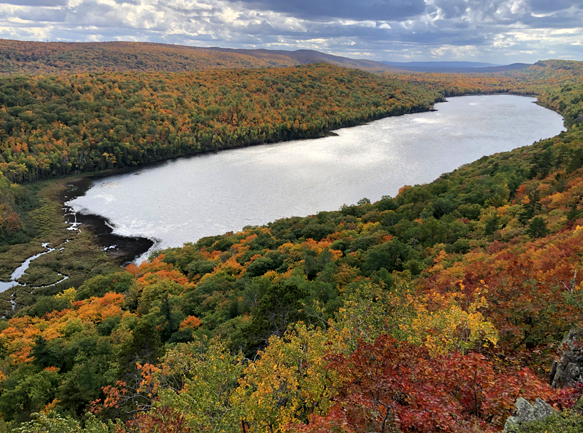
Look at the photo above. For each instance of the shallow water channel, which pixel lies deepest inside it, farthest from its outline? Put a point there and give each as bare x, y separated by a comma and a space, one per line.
19, 272
183, 200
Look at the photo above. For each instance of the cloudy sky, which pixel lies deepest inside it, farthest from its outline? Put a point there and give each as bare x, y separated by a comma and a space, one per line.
496, 31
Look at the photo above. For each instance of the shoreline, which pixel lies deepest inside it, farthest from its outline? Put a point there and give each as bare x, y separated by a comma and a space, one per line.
122, 249
125, 250
153, 234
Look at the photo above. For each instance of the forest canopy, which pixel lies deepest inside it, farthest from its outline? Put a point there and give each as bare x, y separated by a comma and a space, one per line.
58, 125
429, 311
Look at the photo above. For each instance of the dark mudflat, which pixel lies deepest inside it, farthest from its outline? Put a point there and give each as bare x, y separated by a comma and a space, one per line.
122, 249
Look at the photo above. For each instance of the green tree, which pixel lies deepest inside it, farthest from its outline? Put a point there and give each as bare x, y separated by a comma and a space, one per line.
530, 209
27, 391
279, 307
492, 225
144, 347
389, 255
53, 422
537, 228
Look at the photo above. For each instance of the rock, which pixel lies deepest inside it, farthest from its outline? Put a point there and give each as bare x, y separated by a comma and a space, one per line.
568, 370
542, 409
526, 412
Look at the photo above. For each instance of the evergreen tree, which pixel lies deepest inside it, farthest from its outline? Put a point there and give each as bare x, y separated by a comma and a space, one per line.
537, 228
492, 225
530, 209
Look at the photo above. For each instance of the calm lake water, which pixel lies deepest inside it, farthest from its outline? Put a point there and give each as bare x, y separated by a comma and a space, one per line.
186, 199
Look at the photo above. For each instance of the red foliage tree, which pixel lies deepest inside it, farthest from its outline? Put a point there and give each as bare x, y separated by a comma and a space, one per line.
392, 385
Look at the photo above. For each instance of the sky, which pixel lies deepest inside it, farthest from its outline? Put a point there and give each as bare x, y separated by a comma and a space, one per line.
494, 31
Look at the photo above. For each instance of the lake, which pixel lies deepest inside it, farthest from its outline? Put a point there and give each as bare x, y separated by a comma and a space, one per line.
183, 200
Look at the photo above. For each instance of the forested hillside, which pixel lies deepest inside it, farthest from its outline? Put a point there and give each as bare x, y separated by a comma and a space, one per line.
25, 57
540, 79
429, 311
22, 57
61, 125
77, 123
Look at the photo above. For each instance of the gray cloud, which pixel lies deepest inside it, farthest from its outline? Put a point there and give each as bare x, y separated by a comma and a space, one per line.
451, 8
543, 6
42, 3
499, 31
347, 9
42, 15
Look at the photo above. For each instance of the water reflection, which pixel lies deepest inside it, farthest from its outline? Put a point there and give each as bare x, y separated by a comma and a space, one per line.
187, 199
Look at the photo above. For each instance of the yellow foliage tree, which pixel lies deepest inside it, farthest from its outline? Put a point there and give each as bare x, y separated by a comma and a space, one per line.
450, 327
289, 381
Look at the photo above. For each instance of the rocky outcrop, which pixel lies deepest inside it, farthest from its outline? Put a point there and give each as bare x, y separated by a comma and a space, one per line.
569, 369
526, 412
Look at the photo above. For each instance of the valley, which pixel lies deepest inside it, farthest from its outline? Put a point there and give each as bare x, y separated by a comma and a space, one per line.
442, 296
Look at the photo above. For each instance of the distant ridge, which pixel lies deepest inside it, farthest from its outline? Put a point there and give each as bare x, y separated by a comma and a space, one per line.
304, 57
438, 64
35, 58
456, 67
25, 57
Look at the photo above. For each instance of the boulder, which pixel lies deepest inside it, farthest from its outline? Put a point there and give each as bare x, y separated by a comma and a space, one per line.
568, 370
526, 412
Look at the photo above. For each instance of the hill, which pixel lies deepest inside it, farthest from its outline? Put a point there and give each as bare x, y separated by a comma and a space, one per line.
85, 122
305, 57
24, 57
456, 67
71, 124
438, 64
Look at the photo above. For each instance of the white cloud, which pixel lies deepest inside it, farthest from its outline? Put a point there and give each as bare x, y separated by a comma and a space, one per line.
500, 31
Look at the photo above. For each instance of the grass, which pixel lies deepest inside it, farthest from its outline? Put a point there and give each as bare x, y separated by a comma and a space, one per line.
77, 254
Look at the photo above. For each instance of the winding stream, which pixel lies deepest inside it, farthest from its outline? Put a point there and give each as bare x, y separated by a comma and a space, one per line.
19, 272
